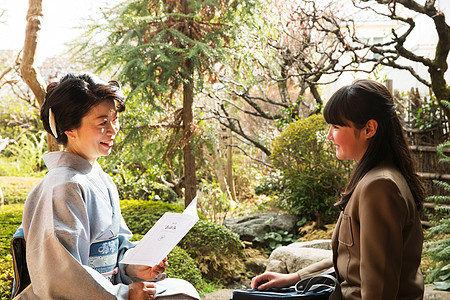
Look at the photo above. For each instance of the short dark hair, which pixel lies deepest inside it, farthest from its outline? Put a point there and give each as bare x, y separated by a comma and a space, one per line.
71, 98
360, 102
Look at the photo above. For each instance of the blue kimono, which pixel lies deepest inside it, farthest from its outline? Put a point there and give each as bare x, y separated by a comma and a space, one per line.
75, 233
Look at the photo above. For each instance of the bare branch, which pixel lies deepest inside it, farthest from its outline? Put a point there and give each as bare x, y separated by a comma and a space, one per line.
248, 155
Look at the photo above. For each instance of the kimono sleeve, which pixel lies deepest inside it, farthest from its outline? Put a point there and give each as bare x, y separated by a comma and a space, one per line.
57, 238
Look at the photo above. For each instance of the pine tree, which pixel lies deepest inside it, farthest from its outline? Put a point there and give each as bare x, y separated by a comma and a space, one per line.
165, 49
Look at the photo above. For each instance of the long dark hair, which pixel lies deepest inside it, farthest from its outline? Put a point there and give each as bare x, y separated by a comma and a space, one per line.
73, 96
360, 102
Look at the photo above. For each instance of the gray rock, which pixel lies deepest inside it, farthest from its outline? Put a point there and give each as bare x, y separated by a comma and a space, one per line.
291, 258
318, 244
433, 294
257, 225
256, 266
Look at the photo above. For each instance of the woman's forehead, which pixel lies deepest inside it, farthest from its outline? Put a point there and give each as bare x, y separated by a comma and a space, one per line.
103, 109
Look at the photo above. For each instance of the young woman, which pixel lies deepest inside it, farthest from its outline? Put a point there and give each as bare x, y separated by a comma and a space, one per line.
74, 231
377, 242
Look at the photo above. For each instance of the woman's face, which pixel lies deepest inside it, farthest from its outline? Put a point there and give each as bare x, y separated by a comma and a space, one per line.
350, 142
95, 137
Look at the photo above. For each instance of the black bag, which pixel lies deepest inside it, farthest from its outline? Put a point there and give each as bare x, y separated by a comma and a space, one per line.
313, 288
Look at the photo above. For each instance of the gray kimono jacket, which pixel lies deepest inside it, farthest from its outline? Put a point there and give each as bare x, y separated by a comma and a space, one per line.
74, 207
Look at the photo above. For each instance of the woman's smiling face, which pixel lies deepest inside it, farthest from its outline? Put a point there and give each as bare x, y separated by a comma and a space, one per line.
349, 141
96, 134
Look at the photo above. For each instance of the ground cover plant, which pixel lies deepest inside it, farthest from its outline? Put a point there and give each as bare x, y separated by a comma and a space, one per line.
10, 220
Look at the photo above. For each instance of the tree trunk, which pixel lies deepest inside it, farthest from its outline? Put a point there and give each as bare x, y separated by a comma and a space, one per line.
230, 179
29, 73
190, 188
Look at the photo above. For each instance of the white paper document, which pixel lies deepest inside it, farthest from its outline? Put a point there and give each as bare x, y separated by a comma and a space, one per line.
162, 237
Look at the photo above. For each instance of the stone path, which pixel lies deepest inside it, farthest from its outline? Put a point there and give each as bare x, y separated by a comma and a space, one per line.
224, 294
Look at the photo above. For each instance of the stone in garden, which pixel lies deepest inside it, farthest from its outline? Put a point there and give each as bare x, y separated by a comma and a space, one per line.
256, 266
291, 258
257, 225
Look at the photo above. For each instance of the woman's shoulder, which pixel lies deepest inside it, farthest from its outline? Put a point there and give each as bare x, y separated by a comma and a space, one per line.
383, 174
385, 179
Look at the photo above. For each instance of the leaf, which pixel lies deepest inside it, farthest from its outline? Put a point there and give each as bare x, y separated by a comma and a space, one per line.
442, 285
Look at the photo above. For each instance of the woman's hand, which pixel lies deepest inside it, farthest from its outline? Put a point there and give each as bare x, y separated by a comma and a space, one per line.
274, 280
141, 291
146, 272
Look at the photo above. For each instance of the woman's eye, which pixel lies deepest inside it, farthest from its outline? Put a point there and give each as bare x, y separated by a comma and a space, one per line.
103, 123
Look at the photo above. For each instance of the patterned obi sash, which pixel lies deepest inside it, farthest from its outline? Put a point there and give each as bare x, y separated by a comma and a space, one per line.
103, 257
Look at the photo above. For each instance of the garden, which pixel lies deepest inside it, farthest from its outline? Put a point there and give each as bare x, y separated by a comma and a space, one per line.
225, 98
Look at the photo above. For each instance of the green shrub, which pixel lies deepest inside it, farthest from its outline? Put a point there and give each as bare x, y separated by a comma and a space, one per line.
438, 250
313, 177
181, 265
217, 250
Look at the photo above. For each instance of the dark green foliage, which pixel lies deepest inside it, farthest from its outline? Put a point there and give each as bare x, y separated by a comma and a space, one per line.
151, 47
181, 265
313, 177
217, 250
426, 112
273, 240
439, 249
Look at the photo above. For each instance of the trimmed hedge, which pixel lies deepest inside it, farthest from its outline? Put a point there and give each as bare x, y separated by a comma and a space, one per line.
181, 265
216, 249
141, 215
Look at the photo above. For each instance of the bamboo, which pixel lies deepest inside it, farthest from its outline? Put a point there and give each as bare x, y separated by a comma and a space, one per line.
434, 175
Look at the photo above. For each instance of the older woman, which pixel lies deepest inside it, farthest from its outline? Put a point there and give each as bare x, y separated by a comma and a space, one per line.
74, 231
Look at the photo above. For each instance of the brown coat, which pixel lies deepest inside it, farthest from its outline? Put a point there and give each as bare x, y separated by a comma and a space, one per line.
377, 242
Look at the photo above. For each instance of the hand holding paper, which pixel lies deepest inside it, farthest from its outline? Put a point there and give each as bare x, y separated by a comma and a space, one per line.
162, 237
